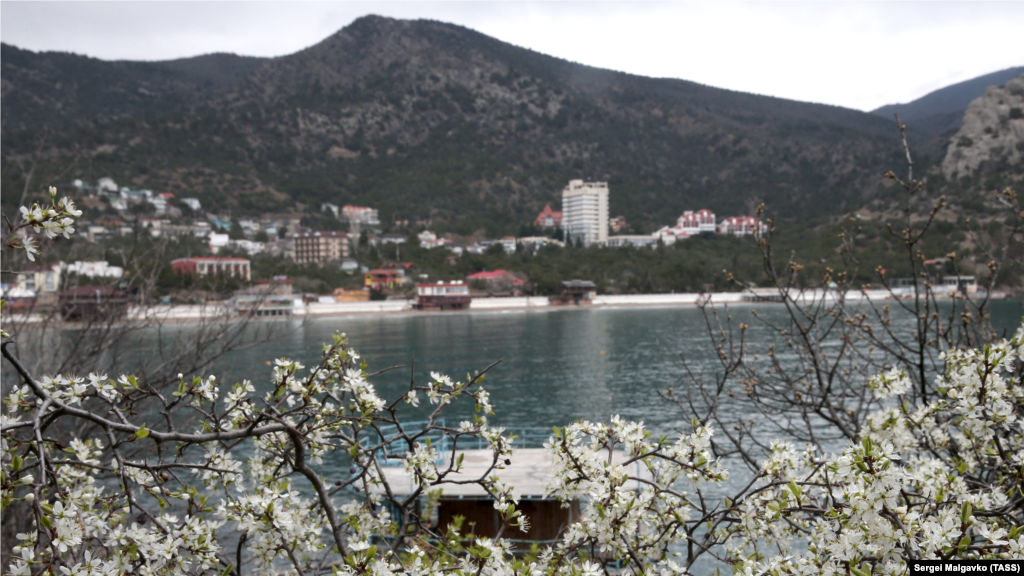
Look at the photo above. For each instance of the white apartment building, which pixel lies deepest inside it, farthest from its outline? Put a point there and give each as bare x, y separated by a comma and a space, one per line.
360, 216
585, 211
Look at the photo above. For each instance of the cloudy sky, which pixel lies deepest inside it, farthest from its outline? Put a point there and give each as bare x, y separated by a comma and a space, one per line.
856, 54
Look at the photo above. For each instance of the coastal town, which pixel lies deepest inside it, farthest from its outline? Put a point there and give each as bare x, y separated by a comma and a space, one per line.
227, 244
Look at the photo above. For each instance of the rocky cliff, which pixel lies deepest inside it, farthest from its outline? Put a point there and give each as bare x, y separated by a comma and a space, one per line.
991, 137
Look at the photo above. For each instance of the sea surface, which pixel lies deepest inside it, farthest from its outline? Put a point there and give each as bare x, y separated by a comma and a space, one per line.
554, 366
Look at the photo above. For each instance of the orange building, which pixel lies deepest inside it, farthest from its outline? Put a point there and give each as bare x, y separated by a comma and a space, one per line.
381, 278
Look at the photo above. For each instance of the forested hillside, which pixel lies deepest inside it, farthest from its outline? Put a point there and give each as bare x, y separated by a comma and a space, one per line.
430, 122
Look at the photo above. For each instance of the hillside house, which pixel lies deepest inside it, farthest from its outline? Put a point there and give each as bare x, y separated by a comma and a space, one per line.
548, 218
204, 265
742, 226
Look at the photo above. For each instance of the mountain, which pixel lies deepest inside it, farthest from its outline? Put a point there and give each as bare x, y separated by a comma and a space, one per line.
434, 123
935, 117
990, 142
951, 99
52, 89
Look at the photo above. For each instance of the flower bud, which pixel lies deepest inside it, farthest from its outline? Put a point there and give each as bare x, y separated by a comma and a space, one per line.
53, 191
30, 497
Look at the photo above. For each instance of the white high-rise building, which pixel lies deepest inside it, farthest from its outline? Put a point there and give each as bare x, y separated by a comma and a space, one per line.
585, 211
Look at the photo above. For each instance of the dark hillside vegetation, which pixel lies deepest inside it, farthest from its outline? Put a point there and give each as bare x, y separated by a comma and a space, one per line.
432, 123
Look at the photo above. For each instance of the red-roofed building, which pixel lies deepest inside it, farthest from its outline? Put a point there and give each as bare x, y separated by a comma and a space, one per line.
548, 218
500, 282
381, 278
203, 265
693, 223
742, 225
497, 276
689, 224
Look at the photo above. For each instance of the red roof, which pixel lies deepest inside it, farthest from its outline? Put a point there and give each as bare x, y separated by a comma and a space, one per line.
498, 274
547, 212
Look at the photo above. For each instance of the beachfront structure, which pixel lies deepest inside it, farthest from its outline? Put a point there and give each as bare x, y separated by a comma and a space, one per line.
585, 211
382, 278
578, 291
204, 265
268, 304
529, 470
92, 303
453, 295
742, 226
548, 218
320, 247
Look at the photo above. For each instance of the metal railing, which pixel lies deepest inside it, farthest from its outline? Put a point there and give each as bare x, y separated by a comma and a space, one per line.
444, 442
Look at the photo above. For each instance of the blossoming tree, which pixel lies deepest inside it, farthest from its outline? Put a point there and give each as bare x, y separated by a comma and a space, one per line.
120, 476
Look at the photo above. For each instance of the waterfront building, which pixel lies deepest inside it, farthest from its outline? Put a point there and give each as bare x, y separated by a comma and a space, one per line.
319, 247
585, 211
343, 295
577, 291
93, 303
204, 265
453, 295
382, 278
527, 471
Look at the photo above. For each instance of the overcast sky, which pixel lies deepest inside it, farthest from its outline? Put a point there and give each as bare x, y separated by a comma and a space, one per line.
856, 54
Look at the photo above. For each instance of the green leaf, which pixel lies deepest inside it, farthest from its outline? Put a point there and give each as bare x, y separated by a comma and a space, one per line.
141, 433
796, 490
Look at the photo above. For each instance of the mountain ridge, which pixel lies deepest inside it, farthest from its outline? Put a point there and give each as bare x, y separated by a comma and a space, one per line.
441, 124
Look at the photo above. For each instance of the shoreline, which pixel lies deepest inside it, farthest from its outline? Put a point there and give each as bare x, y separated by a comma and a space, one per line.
198, 313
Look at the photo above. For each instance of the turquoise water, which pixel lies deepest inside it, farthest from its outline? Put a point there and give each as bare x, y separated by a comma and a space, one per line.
557, 366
